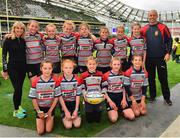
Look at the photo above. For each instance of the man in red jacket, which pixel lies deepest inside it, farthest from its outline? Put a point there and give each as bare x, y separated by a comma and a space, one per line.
159, 46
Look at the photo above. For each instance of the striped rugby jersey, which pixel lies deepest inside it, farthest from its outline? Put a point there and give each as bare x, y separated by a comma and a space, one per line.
91, 82
104, 52
52, 48
136, 80
137, 45
70, 88
34, 48
85, 49
44, 92
120, 47
68, 44
113, 83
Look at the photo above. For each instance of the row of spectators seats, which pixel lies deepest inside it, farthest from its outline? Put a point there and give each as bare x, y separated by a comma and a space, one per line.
38, 9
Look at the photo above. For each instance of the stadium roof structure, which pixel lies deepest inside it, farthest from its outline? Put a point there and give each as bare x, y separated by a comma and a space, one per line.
116, 9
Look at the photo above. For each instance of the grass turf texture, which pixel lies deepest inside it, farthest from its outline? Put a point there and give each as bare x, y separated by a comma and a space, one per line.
6, 102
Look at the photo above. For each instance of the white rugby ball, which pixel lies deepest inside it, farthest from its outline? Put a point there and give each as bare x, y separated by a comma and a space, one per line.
94, 97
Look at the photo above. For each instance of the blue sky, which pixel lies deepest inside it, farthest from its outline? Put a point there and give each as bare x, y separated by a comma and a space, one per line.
160, 5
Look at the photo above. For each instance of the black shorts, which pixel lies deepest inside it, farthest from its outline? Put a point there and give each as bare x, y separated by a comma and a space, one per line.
130, 102
104, 69
124, 64
71, 107
75, 59
82, 69
45, 110
116, 98
93, 107
56, 68
33, 70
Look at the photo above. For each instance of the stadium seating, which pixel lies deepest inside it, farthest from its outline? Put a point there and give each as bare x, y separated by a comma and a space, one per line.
31, 8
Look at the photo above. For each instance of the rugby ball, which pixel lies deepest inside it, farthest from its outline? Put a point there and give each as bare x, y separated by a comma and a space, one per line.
94, 97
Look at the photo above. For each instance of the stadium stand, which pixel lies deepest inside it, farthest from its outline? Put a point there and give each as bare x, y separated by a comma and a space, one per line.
29, 8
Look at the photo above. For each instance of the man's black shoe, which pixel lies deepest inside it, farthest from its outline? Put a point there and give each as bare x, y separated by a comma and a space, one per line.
152, 100
168, 102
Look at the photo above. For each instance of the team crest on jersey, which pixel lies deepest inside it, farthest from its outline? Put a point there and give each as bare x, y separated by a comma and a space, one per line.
96, 80
156, 33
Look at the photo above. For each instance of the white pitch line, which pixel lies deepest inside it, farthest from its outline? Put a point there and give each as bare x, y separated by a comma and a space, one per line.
173, 130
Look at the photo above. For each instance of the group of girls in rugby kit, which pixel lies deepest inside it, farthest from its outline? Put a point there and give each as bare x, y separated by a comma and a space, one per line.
122, 80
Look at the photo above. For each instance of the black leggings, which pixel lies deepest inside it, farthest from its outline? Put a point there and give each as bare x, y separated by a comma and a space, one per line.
17, 74
151, 65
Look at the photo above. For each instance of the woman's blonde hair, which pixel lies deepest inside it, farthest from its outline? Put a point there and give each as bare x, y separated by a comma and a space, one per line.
12, 35
69, 22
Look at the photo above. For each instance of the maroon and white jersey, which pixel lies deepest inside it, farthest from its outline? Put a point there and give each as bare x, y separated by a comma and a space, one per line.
92, 82
113, 83
68, 44
120, 47
44, 92
52, 48
34, 48
85, 49
136, 80
137, 45
104, 52
70, 88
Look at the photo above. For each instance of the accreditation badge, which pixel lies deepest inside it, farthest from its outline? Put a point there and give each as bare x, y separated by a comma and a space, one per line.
156, 33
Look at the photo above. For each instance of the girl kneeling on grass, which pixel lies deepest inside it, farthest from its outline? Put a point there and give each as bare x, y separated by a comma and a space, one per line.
44, 92
91, 82
70, 87
136, 87
113, 86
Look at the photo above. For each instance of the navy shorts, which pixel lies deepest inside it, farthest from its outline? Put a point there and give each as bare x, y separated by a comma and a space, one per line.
33, 70
130, 102
116, 98
45, 110
93, 107
124, 64
56, 68
71, 107
104, 69
82, 69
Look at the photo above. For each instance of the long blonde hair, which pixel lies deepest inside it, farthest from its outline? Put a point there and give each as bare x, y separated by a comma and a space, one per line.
12, 35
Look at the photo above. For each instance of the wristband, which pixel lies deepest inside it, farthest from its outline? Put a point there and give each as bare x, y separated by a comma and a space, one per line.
76, 109
39, 111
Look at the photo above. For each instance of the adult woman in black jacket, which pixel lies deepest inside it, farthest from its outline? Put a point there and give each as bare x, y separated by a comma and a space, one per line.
14, 45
